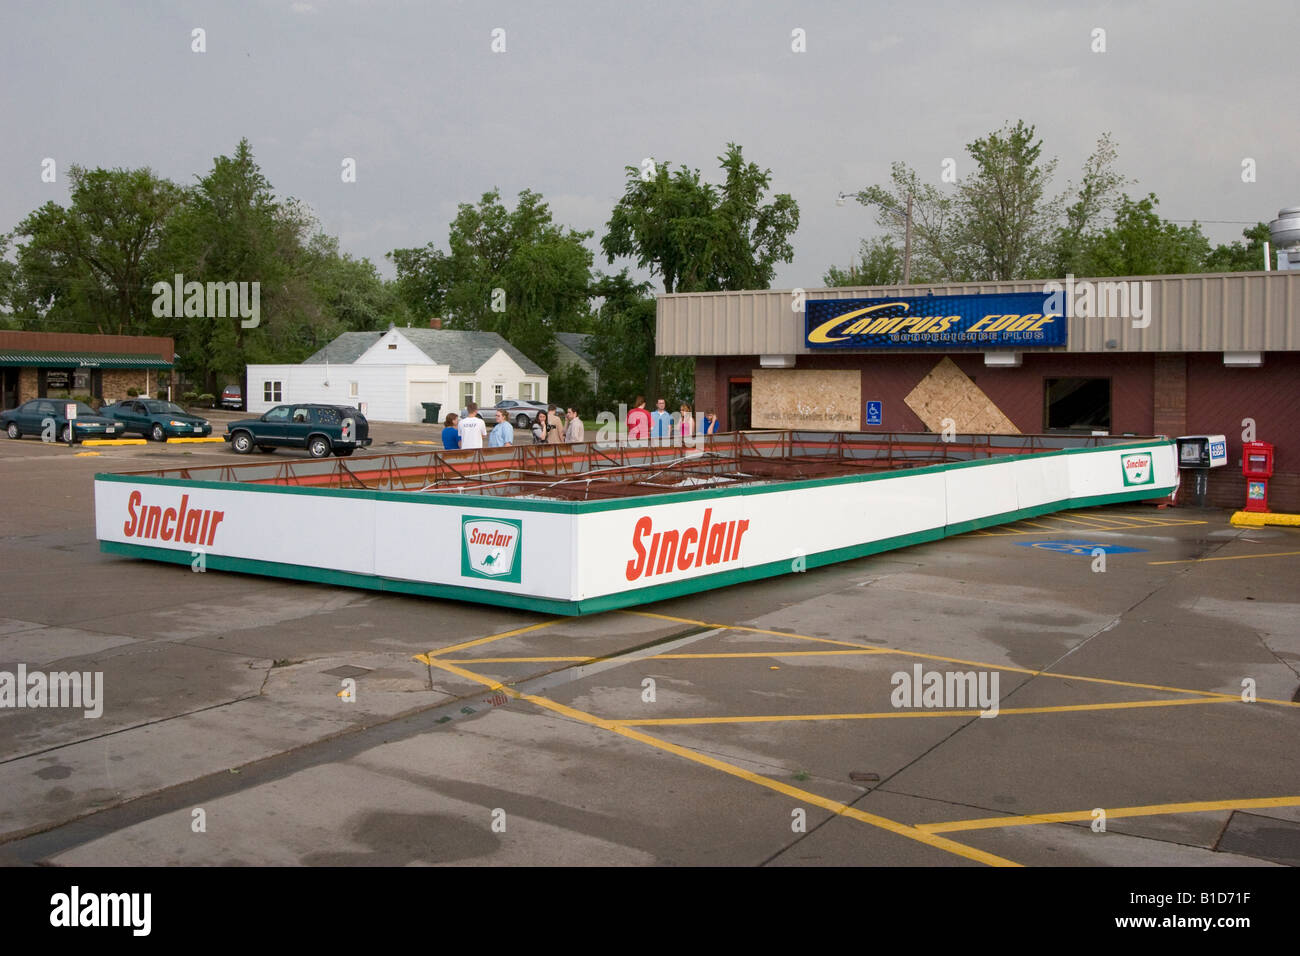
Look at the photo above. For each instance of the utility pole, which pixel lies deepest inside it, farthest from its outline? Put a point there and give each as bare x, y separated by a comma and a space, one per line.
907, 245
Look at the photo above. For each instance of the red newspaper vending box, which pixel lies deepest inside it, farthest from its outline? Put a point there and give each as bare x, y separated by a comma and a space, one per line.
1257, 466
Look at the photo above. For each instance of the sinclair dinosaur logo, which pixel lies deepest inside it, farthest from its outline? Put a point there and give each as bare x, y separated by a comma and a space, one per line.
1138, 468
489, 548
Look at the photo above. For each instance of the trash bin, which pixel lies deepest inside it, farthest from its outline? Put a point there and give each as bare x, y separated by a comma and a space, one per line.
431, 410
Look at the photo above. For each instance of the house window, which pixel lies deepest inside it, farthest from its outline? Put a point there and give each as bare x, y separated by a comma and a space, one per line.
526, 391
392, 345
1076, 404
353, 390
467, 392
498, 393
271, 392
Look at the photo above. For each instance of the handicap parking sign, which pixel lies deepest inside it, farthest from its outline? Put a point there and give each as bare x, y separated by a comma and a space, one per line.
875, 413
1079, 547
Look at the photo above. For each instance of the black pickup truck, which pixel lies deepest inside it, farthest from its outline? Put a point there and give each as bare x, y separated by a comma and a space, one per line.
320, 429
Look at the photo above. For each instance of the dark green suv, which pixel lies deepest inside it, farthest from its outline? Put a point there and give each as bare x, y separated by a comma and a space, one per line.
320, 429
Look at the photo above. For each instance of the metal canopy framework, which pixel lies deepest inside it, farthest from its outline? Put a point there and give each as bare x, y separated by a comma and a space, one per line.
596, 471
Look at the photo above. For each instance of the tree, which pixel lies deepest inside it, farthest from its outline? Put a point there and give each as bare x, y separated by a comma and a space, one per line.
232, 228
698, 237
513, 272
936, 250
88, 268
882, 264
998, 223
623, 335
1095, 198
1235, 257
1139, 242
1005, 222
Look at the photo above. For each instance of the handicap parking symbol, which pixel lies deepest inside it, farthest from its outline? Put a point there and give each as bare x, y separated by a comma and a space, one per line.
1079, 547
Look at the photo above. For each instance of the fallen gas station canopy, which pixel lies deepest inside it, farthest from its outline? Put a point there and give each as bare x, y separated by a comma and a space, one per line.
573, 529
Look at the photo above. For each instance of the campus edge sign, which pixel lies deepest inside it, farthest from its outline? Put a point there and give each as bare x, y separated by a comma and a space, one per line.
1012, 319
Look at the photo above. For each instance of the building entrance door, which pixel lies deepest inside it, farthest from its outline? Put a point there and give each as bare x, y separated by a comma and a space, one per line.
8, 388
739, 391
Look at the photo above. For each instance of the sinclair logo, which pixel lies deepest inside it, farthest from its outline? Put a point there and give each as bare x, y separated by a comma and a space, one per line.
489, 548
1138, 469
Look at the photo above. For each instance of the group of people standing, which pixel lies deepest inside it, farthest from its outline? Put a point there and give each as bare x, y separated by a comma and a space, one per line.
551, 428
643, 424
470, 431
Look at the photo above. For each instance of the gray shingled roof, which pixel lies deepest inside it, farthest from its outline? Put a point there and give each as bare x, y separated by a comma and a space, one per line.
463, 351
345, 349
576, 342
466, 351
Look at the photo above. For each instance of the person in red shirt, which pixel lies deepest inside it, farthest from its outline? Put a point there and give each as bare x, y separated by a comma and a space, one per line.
638, 420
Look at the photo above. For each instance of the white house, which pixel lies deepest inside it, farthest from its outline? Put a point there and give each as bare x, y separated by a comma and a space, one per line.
393, 372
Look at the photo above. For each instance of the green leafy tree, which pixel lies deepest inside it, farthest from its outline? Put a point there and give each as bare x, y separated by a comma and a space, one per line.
1139, 242
1095, 200
1006, 221
514, 272
88, 267
936, 250
1000, 222
1236, 257
699, 237
881, 264
233, 228
623, 334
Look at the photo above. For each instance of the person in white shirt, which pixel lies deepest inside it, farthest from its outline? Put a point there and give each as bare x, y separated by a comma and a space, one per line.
472, 428
574, 431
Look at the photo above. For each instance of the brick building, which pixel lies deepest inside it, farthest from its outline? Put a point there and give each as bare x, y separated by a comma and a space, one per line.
1145, 355
58, 365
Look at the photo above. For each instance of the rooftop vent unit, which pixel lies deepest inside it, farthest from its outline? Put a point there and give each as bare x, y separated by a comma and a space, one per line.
1285, 234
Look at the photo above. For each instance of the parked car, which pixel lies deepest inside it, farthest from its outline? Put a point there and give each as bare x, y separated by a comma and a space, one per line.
29, 419
156, 419
232, 396
522, 414
317, 428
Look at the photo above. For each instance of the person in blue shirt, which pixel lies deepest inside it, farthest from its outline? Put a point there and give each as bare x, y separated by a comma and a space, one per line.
450, 433
661, 422
708, 424
503, 434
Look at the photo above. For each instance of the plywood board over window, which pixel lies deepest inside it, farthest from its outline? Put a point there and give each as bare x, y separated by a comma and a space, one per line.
948, 394
817, 399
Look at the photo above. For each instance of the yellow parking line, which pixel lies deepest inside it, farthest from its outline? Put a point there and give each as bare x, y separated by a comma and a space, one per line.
86, 454
114, 441
194, 441
675, 657
1055, 709
423, 658
804, 796
1234, 557
1156, 809
736, 627
984, 664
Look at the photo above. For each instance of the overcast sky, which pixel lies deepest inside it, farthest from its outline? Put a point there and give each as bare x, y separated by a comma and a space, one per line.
433, 117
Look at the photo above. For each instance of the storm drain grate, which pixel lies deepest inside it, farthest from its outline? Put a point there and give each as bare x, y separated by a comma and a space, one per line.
1264, 838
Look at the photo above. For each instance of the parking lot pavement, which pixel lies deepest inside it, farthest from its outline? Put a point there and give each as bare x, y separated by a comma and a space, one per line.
752, 725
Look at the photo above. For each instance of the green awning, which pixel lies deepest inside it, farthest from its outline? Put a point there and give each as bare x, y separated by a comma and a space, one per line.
81, 360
